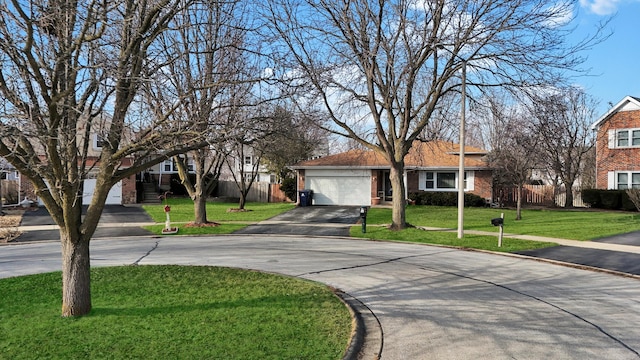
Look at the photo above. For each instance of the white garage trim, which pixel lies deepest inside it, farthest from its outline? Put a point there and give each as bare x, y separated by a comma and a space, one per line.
113, 198
339, 187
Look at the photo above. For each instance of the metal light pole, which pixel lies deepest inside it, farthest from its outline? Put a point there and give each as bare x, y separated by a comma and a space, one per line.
463, 94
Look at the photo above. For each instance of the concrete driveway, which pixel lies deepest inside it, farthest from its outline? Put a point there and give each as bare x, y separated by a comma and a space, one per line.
42, 227
309, 220
419, 302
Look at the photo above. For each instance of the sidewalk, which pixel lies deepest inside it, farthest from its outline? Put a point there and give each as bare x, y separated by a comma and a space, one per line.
603, 254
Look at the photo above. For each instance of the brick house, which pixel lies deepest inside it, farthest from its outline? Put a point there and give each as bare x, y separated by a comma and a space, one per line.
361, 177
618, 146
123, 192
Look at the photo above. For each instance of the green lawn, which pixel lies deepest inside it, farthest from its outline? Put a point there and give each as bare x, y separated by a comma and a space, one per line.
230, 221
174, 312
469, 241
558, 223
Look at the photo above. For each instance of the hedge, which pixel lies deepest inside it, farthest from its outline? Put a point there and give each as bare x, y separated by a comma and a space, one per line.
445, 199
608, 199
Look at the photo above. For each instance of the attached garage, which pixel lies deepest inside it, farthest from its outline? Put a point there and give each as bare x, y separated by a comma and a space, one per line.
113, 198
343, 187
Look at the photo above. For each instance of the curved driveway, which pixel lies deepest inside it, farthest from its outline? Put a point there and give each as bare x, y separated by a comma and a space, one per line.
431, 302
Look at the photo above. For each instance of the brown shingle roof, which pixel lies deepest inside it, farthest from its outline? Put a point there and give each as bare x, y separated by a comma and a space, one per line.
433, 154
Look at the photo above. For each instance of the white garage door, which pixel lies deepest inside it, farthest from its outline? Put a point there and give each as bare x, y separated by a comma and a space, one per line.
113, 198
339, 187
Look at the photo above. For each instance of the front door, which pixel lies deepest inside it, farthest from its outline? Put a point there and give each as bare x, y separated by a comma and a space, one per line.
386, 187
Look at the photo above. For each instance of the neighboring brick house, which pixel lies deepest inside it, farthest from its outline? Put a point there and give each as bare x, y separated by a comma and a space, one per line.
618, 146
361, 177
123, 192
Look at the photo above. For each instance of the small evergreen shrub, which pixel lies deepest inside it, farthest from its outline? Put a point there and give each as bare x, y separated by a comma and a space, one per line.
289, 186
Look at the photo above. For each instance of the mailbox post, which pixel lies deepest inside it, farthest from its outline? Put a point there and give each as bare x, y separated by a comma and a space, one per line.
363, 217
499, 222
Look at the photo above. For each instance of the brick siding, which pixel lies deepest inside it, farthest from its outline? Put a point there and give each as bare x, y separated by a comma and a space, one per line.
621, 159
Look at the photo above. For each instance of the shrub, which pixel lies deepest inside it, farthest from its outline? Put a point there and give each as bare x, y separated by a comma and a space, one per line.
634, 196
289, 186
611, 199
441, 198
592, 197
626, 201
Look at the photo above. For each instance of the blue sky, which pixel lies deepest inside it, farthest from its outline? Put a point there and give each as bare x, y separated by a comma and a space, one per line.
615, 63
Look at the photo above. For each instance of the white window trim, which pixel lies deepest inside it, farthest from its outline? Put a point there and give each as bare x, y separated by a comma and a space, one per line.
174, 169
613, 138
422, 180
612, 179
96, 143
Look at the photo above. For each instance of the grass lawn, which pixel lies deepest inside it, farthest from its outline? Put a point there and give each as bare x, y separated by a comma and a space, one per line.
469, 241
565, 224
174, 312
182, 213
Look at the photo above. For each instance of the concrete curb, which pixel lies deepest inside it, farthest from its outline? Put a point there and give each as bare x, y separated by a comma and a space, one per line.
366, 338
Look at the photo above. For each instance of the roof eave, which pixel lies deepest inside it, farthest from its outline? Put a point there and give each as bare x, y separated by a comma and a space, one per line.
614, 109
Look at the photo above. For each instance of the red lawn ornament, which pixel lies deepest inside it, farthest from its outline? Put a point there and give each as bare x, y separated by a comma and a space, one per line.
167, 208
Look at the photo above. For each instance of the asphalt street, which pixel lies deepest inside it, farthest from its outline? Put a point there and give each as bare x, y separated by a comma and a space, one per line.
122, 221
419, 302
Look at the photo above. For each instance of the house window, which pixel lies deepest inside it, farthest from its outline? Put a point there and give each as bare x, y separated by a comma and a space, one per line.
446, 180
628, 180
171, 166
247, 177
430, 180
441, 180
247, 160
627, 138
98, 141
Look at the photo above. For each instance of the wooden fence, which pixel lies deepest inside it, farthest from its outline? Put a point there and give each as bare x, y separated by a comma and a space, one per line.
259, 192
10, 192
544, 195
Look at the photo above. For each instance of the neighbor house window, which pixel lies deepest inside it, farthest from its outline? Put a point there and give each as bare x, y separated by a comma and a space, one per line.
98, 141
247, 160
171, 166
628, 180
443, 180
627, 137
247, 177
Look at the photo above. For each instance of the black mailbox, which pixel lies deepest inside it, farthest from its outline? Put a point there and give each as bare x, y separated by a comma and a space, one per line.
497, 221
363, 211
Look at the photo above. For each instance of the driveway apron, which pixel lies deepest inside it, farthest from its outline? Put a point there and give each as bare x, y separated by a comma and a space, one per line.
309, 220
114, 217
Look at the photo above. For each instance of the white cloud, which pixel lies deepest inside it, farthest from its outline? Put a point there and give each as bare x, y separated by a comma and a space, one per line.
600, 7
561, 15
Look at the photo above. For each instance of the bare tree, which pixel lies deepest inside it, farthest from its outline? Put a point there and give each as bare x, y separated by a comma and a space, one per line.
205, 57
298, 137
562, 121
248, 134
513, 144
70, 71
387, 64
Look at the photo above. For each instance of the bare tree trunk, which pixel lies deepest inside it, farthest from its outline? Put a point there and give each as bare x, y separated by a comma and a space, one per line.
200, 208
568, 199
398, 219
76, 277
243, 200
519, 203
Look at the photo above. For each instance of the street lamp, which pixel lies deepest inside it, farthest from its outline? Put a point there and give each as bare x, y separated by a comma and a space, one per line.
463, 95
